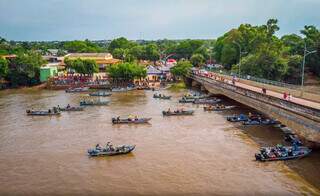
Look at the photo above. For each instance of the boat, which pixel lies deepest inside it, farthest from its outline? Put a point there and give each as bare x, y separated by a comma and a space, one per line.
260, 122
206, 101
100, 94
218, 108
292, 138
109, 150
237, 118
178, 113
195, 96
71, 109
280, 152
143, 88
130, 120
77, 90
122, 89
160, 96
53, 112
92, 103
185, 100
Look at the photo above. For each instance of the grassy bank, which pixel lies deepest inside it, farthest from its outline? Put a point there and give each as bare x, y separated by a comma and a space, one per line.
178, 86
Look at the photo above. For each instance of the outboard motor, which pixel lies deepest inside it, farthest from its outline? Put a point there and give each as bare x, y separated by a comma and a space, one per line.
258, 157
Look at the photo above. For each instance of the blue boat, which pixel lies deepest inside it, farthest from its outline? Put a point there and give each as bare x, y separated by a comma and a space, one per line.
238, 118
280, 152
260, 122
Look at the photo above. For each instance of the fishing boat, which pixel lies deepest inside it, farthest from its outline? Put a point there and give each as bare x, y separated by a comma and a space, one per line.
143, 88
77, 90
122, 89
206, 101
280, 152
218, 108
109, 150
129, 120
71, 109
100, 94
292, 138
195, 96
178, 113
237, 118
186, 100
43, 113
260, 122
160, 96
93, 103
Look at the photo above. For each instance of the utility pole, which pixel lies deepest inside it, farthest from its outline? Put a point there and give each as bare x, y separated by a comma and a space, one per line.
305, 54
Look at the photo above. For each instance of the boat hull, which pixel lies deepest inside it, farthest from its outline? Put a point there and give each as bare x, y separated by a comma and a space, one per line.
96, 153
185, 113
126, 121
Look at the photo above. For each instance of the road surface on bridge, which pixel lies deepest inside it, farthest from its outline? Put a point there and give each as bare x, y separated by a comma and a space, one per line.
297, 100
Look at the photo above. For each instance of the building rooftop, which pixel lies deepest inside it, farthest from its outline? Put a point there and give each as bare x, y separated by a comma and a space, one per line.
90, 55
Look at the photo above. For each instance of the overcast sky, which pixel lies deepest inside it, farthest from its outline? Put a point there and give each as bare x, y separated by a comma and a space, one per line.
147, 19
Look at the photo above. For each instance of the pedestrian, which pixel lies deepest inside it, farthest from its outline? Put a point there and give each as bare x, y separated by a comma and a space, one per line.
285, 95
289, 97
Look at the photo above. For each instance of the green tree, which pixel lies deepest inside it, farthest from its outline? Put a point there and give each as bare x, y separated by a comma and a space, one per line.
4, 69
82, 66
197, 59
81, 46
293, 75
125, 73
25, 69
312, 39
181, 69
152, 52
121, 43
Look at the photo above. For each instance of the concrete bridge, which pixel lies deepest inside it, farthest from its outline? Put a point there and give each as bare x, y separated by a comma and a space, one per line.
302, 116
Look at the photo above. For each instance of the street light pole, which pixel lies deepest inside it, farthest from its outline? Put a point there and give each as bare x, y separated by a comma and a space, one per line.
305, 54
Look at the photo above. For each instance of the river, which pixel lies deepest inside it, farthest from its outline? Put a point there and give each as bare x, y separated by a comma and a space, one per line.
200, 154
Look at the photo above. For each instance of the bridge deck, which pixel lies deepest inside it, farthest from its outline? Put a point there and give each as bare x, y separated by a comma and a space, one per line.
296, 100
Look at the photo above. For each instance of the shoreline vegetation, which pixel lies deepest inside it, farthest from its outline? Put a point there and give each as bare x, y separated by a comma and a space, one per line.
179, 85
247, 50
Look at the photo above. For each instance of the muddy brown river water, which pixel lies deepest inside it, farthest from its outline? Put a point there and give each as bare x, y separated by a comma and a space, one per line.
200, 154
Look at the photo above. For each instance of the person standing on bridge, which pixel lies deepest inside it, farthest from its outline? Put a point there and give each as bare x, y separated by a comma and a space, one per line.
289, 97
285, 96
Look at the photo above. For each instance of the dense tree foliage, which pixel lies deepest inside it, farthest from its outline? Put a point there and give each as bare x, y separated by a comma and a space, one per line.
82, 46
197, 59
82, 66
264, 54
4, 69
181, 69
25, 69
126, 72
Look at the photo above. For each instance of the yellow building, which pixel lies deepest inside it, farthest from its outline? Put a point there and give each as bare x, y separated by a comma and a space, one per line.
102, 59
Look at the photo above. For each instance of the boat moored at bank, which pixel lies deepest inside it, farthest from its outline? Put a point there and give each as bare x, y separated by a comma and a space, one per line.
280, 152
100, 94
77, 90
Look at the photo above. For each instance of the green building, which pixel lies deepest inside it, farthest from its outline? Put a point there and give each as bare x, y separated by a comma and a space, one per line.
47, 72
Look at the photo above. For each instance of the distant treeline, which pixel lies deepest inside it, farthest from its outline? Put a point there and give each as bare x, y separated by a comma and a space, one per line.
263, 54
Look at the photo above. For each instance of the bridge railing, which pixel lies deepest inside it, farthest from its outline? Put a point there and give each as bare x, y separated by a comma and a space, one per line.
305, 111
255, 79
